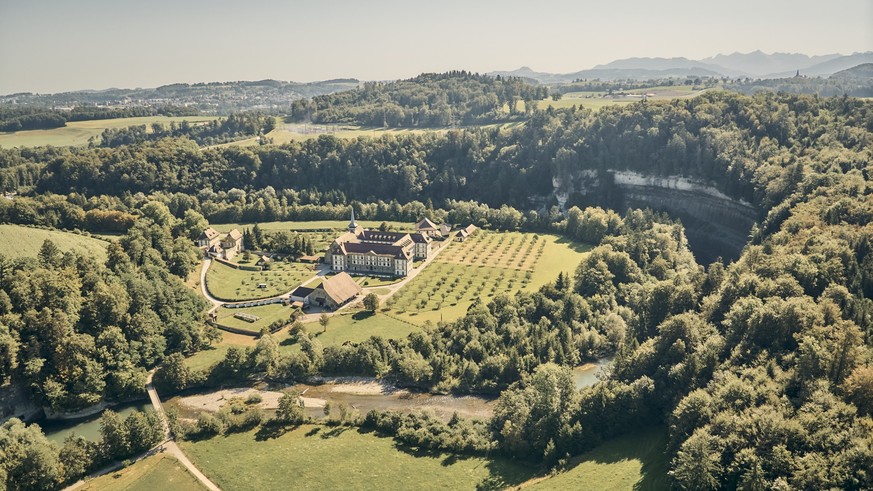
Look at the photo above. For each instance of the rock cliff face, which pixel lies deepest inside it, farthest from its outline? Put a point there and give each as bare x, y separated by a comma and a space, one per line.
716, 224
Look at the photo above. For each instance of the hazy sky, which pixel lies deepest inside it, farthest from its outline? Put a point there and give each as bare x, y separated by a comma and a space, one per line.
50, 46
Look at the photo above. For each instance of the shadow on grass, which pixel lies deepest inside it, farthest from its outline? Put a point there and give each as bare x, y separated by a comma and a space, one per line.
576, 246
648, 446
502, 473
364, 314
289, 341
313, 431
272, 430
334, 432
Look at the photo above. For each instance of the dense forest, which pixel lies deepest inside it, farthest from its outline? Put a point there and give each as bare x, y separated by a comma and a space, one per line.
760, 369
825, 87
429, 100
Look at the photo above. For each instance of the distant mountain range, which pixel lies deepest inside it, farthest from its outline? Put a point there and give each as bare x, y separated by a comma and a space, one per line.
752, 65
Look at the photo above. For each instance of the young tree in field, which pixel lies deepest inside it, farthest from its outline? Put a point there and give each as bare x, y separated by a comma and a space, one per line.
267, 354
324, 320
371, 302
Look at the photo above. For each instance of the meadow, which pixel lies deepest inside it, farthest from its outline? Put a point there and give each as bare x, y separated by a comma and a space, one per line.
20, 241
289, 132
159, 471
230, 284
633, 462
357, 326
79, 132
597, 100
267, 314
322, 457
485, 265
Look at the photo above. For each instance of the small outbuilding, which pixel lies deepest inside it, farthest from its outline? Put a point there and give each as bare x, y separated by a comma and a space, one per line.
301, 294
462, 234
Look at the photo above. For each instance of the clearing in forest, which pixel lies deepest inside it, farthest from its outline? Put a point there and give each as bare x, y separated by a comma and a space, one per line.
20, 241
636, 461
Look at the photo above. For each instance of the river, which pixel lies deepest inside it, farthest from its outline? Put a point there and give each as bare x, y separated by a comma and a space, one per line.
88, 427
586, 375
362, 394
365, 394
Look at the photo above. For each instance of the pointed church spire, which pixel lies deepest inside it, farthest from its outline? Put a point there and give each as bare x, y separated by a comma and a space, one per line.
352, 225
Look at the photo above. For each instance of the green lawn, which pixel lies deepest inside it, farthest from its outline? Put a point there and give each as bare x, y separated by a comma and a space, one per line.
19, 241
487, 264
321, 457
267, 315
596, 100
298, 132
230, 284
358, 326
374, 281
78, 132
205, 359
159, 471
633, 462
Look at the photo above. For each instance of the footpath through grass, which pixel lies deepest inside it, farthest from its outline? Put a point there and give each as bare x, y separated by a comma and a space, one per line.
633, 462
20, 241
159, 471
321, 457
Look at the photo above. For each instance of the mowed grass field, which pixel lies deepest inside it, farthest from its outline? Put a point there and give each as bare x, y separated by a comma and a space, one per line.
19, 241
78, 132
230, 284
289, 132
267, 314
355, 327
321, 457
159, 471
358, 326
598, 100
485, 265
631, 462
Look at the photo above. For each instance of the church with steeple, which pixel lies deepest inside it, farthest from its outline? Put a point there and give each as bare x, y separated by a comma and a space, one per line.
374, 252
